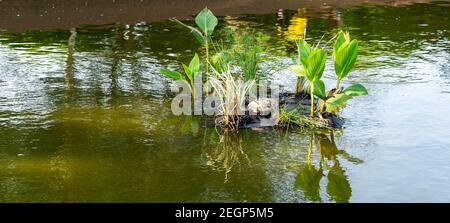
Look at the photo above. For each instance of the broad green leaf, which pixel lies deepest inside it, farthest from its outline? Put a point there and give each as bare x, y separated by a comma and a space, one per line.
188, 72
355, 90
346, 58
194, 66
339, 41
197, 34
319, 89
315, 64
337, 102
345, 52
305, 50
298, 70
206, 21
172, 74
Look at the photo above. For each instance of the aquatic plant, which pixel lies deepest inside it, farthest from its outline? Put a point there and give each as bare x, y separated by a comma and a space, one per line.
206, 22
190, 72
247, 55
301, 79
345, 52
335, 100
221, 59
230, 97
312, 67
297, 31
237, 61
242, 52
294, 118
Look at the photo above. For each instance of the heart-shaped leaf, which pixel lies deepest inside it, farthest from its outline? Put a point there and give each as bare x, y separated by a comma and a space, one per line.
206, 21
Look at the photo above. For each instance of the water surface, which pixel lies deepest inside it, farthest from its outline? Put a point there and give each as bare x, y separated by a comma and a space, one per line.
85, 115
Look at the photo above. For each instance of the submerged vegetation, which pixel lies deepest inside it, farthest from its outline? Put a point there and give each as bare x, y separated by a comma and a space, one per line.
233, 71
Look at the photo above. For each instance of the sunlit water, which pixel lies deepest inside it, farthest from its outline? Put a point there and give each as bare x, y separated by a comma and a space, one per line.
93, 122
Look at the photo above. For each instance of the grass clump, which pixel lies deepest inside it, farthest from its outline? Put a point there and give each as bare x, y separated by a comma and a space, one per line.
294, 119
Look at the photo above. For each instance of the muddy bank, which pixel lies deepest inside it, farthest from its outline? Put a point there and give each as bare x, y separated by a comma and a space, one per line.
20, 15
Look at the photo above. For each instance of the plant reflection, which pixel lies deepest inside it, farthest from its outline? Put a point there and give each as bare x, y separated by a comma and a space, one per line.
227, 153
189, 124
338, 187
309, 178
69, 69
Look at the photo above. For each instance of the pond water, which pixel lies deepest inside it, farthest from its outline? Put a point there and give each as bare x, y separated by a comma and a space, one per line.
85, 115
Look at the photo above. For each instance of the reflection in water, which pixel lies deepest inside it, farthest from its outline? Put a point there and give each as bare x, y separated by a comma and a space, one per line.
309, 177
69, 69
226, 152
85, 115
297, 25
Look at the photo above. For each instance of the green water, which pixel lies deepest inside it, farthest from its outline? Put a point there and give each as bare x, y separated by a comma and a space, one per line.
91, 120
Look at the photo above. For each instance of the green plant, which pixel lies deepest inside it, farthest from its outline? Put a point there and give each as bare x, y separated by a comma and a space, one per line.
190, 72
345, 52
288, 118
248, 55
222, 58
230, 93
295, 118
301, 80
332, 101
312, 67
206, 22
243, 51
